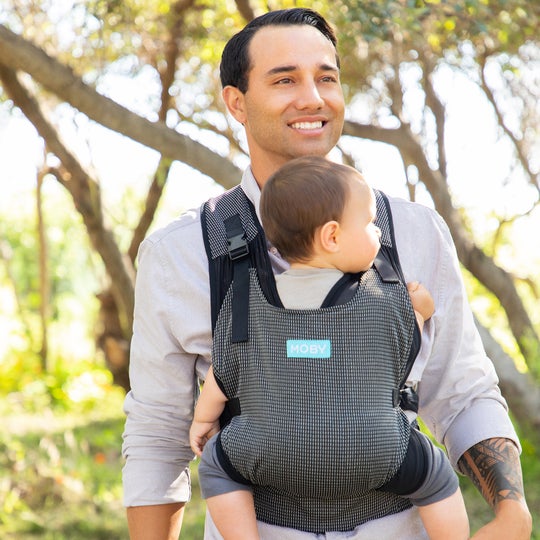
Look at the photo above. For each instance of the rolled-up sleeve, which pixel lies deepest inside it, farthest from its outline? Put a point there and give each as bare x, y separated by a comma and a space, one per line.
170, 351
460, 401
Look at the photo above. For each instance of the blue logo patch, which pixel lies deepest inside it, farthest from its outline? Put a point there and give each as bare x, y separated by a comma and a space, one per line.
308, 348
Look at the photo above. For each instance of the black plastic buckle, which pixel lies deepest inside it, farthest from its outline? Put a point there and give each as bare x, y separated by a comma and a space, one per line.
409, 399
238, 247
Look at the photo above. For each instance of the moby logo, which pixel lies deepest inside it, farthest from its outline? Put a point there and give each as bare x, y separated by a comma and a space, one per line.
308, 348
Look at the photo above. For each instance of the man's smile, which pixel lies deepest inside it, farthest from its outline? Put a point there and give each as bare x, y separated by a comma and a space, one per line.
308, 125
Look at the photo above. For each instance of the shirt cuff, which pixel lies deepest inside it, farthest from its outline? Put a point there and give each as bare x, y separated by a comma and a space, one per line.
484, 419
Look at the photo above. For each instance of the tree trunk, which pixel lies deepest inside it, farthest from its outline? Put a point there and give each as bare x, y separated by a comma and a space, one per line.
484, 268
112, 340
44, 283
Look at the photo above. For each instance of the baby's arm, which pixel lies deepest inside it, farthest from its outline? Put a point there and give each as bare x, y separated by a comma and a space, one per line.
422, 302
209, 407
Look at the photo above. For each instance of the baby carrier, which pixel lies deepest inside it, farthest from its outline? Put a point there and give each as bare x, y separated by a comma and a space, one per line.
315, 414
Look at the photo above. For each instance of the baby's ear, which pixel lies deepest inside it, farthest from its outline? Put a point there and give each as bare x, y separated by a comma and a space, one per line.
328, 236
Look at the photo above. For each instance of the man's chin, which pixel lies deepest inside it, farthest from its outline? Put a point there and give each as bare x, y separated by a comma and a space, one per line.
321, 151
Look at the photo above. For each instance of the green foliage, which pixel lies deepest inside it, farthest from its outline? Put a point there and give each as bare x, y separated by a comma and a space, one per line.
494, 25
72, 269
64, 478
79, 386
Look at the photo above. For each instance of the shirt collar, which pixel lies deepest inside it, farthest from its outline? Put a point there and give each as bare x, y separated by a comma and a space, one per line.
251, 189
253, 193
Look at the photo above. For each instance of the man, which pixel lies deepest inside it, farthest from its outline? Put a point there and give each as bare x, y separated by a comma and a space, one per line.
281, 82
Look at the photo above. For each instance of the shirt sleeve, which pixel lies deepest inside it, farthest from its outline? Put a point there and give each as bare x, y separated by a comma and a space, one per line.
169, 352
460, 400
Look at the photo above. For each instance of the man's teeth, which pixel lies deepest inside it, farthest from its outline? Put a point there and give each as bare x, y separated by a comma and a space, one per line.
307, 125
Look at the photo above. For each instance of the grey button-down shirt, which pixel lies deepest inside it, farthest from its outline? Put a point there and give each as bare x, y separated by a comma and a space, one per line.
460, 401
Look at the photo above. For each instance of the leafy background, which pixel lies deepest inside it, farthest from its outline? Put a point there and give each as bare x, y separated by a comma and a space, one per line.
72, 186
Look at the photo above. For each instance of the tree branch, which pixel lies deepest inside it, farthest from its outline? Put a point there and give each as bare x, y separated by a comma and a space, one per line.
496, 279
534, 179
245, 9
19, 54
166, 75
438, 110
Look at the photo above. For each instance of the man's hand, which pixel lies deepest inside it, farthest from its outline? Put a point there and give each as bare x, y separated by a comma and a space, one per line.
512, 522
494, 467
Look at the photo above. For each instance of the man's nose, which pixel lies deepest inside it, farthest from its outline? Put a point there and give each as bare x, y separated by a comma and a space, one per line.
309, 96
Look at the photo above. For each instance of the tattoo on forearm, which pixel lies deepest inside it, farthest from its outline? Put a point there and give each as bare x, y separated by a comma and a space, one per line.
494, 467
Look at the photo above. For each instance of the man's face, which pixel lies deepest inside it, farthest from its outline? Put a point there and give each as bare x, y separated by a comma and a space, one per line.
294, 103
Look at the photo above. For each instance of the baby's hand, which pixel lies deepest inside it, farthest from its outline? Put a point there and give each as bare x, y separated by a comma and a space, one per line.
200, 433
421, 299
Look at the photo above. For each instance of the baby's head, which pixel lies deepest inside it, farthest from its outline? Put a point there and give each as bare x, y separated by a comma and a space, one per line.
312, 206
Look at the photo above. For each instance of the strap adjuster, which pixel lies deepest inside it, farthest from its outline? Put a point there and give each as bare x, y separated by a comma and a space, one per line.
238, 249
238, 246
408, 399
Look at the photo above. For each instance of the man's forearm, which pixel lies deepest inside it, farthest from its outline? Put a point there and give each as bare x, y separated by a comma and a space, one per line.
494, 467
157, 522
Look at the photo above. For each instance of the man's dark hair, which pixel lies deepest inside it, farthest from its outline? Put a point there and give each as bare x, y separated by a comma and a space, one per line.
300, 197
235, 61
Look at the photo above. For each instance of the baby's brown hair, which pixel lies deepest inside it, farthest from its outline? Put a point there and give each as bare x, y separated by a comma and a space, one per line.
300, 197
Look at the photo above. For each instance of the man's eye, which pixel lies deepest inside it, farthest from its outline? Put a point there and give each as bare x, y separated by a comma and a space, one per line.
284, 81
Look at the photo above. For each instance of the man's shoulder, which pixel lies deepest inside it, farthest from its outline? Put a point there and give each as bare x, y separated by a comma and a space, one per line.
180, 242
186, 227
413, 212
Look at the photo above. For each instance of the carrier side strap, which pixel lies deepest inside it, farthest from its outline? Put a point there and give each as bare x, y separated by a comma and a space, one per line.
238, 253
389, 268
384, 267
225, 462
342, 291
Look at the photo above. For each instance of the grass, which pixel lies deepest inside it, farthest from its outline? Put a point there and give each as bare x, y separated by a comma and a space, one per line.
63, 484
62, 481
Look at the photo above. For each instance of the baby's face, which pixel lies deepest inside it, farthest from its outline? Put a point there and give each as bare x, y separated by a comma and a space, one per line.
360, 237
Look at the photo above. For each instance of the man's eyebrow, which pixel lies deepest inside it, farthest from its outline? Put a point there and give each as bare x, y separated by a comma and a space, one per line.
280, 69
290, 68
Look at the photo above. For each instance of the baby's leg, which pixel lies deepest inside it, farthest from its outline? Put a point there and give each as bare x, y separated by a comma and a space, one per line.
446, 519
439, 499
229, 503
233, 514
427, 479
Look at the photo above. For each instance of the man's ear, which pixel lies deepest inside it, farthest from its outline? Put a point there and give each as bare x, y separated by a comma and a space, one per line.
234, 100
328, 236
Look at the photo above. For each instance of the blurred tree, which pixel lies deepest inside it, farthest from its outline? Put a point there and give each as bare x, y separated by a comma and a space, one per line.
44, 281
393, 52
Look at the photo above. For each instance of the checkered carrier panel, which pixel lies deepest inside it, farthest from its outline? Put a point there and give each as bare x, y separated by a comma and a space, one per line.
319, 435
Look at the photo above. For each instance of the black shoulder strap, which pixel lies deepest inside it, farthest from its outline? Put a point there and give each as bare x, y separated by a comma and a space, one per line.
389, 267
238, 254
387, 261
234, 242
